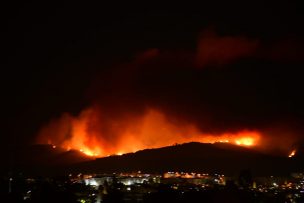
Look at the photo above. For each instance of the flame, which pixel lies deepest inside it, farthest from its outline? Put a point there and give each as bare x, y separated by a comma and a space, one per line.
292, 153
247, 141
94, 135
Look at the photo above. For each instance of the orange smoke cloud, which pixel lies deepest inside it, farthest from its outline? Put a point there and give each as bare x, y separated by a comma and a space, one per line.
96, 136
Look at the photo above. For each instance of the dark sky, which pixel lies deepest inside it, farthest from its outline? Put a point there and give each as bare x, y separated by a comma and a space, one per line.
63, 57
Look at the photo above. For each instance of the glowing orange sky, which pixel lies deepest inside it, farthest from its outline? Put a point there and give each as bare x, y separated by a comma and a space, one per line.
91, 136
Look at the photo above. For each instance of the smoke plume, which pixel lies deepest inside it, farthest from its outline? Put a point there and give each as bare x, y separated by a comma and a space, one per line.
229, 90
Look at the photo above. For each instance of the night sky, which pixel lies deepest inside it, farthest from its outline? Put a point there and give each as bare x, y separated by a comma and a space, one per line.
221, 66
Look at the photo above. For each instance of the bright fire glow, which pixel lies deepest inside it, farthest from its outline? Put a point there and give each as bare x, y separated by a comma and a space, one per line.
94, 135
292, 153
247, 141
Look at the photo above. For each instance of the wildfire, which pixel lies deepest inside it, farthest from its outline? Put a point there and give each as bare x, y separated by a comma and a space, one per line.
247, 141
93, 135
292, 154
89, 152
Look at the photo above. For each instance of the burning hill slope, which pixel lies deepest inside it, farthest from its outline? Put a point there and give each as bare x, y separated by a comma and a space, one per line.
198, 157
